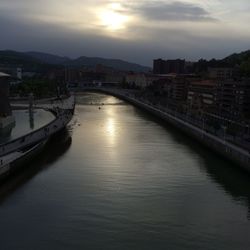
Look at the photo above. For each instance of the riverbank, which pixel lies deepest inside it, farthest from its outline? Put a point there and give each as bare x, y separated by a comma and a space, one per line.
232, 152
24, 147
125, 182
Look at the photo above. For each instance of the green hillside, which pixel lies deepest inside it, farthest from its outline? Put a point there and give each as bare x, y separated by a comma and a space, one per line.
240, 61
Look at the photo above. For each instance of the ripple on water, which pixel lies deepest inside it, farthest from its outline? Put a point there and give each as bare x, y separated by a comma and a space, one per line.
128, 182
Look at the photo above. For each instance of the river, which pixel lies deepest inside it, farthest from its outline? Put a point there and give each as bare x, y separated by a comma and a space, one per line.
119, 179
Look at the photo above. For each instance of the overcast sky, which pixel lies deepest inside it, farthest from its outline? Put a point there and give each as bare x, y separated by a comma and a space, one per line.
133, 30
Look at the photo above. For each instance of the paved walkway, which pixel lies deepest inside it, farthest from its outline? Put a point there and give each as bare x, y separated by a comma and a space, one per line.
63, 112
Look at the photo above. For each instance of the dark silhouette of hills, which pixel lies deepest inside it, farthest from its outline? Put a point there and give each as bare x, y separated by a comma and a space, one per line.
8, 57
112, 63
42, 61
239, 58
240, 61
39, 59
48, 58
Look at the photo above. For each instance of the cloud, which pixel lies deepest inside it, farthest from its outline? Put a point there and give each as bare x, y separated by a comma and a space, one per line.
175, 11
156, 28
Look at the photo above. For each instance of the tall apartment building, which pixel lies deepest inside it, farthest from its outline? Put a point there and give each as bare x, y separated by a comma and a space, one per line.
233, 98
169, 66
221, 73
174, 87
159, 66
202, 94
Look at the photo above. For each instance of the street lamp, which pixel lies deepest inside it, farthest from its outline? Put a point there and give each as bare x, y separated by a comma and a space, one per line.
224, 132
247, 127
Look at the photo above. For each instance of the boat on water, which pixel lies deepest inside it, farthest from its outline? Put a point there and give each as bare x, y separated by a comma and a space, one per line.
15, 153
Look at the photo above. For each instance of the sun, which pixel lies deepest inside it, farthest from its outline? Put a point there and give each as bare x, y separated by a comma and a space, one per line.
112, 18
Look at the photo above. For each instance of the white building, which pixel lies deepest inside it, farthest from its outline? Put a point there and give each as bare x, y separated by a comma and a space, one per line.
140, 80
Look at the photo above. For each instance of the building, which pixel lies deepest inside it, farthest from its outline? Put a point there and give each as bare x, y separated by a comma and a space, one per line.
233, 99
174, 86
140, 80
115, 76
6, 117
201, 94
175, 66
159, 66
221, 73
169, 66
171, 90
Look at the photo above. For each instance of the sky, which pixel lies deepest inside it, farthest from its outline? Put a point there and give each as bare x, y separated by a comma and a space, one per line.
133, 30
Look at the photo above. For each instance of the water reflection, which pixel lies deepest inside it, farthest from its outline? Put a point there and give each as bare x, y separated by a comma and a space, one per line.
31, 119
234, 181
228, 175
224, 173
97, 99
110, 125
151, 188
55, 149
110, 128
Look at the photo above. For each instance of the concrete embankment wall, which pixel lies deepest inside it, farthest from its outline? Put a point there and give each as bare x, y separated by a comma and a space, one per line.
228, 150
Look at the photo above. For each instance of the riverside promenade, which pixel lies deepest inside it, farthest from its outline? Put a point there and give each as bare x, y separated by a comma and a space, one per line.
225, 148
63, 111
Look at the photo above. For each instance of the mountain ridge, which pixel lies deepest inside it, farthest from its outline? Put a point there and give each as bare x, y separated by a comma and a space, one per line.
39, 58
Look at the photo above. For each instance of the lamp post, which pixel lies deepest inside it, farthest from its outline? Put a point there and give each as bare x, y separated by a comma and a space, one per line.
187, 114
224, 132
247, 128
203, 124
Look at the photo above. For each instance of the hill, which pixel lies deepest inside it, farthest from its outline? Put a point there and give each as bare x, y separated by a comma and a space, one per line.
90, 62
48, 58
112, 63
241, 61
237, 59
10, 58
36, 59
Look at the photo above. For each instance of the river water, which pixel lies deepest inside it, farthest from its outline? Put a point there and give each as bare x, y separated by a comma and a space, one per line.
119, 179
